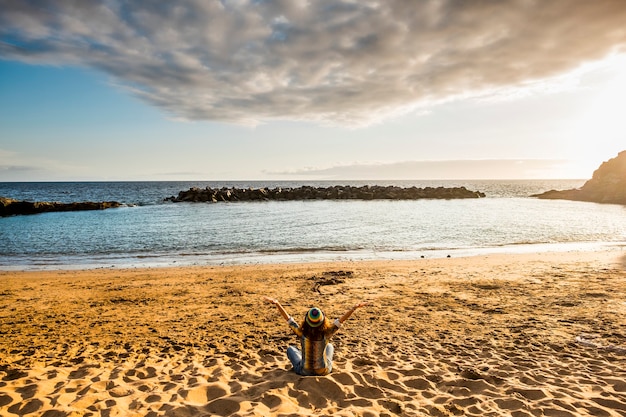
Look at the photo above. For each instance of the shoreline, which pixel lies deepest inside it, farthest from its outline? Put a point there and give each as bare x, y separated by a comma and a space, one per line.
524, 335
300, 257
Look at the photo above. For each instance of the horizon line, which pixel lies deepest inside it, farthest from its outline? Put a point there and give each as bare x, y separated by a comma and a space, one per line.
299, 180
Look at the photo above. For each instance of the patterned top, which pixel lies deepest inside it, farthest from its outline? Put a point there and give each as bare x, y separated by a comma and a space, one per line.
314, 361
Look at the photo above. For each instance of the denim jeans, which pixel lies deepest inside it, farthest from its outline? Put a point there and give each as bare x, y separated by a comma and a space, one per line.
295, 356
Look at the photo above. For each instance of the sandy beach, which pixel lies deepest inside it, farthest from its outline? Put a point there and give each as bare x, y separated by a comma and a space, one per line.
501, 335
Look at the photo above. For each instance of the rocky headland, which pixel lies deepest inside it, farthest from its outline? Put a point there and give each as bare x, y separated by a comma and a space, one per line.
367, 192
11, 207
607, 185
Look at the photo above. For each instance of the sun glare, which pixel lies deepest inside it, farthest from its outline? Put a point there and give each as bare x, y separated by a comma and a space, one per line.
600, 133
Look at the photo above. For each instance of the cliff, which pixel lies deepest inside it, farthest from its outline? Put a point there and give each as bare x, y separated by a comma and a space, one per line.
607, 185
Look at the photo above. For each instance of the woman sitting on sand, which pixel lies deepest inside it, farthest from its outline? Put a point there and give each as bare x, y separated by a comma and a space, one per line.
316, 356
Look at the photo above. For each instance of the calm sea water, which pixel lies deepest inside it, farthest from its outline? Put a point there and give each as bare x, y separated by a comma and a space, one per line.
151, 232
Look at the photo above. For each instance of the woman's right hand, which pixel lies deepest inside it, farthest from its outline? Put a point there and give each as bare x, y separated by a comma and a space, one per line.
271, 300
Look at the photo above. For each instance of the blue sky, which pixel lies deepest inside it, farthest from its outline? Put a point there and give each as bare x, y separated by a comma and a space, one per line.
325, 90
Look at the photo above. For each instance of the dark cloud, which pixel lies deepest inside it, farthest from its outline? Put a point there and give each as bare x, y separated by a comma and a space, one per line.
11, 172
349, 62
18, 168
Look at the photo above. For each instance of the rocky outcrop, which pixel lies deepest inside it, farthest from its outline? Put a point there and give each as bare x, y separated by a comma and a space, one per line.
322, 193
10, 207
607, 185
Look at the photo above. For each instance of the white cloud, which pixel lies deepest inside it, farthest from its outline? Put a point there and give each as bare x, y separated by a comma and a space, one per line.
345, 62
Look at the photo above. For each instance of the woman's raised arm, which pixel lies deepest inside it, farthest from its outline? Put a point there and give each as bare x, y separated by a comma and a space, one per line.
280, 308
348, 313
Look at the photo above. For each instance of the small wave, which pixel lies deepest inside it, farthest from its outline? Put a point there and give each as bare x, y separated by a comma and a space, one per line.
310, 250
524, 243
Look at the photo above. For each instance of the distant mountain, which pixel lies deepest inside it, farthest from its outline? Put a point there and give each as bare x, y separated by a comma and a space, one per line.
607, 185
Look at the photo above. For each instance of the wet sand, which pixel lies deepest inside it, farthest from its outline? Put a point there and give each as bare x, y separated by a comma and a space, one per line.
503, 335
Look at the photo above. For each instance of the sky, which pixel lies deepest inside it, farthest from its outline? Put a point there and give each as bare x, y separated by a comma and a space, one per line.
310, 90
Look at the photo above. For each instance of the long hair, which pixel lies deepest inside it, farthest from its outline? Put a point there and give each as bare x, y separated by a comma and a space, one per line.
315, 333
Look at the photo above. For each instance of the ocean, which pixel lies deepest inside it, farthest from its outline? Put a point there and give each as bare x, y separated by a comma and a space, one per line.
149, 232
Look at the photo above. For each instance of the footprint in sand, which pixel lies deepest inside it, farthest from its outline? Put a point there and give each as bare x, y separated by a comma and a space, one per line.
28, 391
79, 373
610, 403
153, 398
203, 394
119, 392
271, 401
31, 406
510, 404
393, 406
5, 399
369, 392
420, 384
618, 385
150, 372
223, 406
343, 378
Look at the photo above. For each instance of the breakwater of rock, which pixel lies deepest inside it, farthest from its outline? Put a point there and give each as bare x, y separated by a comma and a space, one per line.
347, 192
11, 207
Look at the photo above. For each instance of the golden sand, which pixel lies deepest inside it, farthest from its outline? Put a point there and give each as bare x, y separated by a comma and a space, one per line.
515, 335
